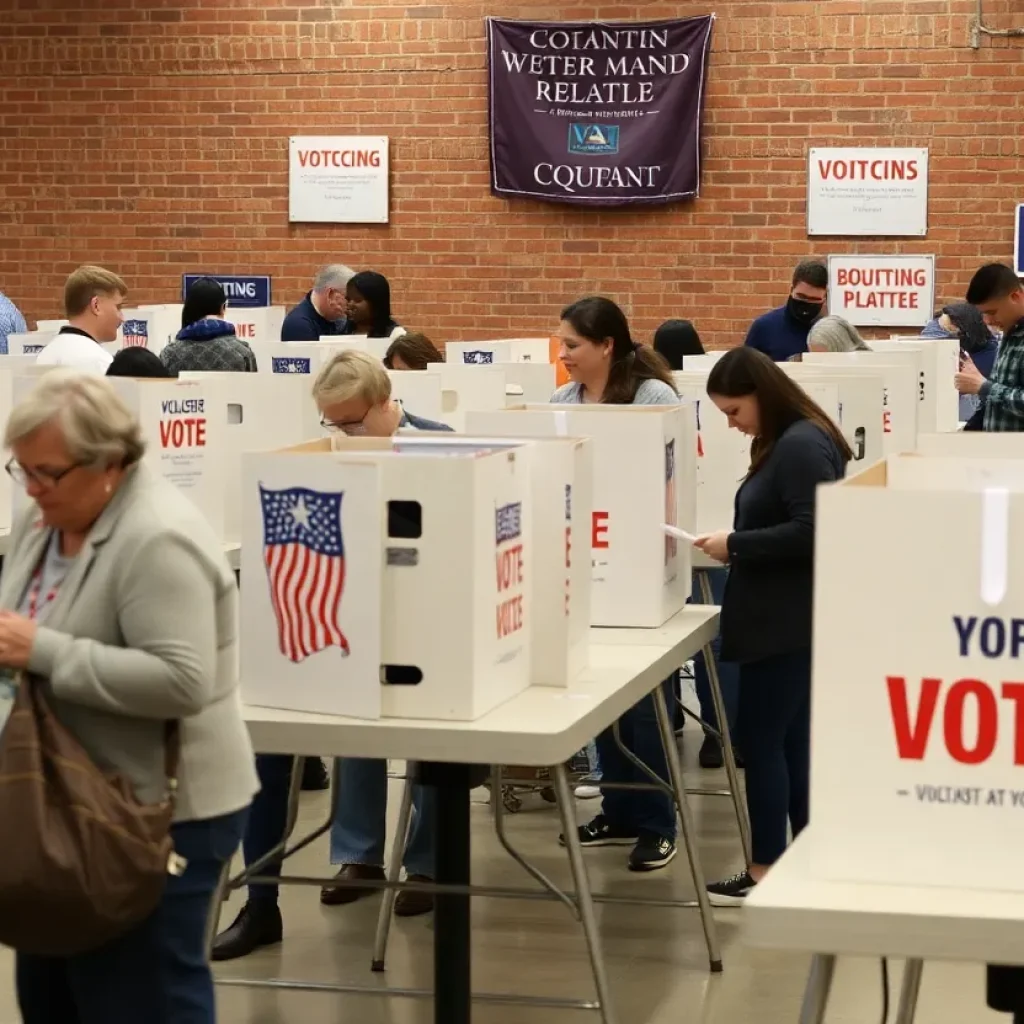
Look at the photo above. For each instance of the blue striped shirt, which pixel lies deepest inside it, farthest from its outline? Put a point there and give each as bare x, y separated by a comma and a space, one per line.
11, 322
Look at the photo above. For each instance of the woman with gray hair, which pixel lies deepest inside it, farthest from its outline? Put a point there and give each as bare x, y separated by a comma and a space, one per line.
834, 334
118, 603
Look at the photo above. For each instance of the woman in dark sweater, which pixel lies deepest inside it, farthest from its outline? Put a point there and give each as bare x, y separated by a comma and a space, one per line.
766, 613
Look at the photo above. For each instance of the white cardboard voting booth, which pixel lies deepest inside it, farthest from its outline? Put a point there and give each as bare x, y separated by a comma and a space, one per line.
972, 444
152, 327
259, 411
511, 350
257, 325
529, 383
421, 394
375, 346
184, 438
901, 395
457, 558
561, 483
938, 362
30, 344
644, 475
861, 406
12, 367
294, 357
917, 648
471, 388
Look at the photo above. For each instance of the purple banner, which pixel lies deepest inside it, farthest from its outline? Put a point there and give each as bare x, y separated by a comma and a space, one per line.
597, 114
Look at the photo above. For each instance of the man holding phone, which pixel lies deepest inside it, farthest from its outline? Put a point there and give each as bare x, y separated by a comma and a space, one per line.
998, 294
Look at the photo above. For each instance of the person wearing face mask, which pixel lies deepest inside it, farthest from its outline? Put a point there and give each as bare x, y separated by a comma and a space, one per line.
782, 333
998, 294
353, 394
368, 307
93, 299
766, 613
965, 323
322, 312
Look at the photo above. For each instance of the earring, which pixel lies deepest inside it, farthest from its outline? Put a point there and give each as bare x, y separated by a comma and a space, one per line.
108, 488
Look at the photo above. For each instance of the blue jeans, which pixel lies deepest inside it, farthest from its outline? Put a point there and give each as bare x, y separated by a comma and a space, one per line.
638, 810
360, 818
774, 737
728, 672
158, 972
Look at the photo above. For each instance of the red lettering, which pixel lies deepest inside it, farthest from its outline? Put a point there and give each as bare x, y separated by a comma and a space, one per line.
886, 422
912, 741
183, 433
912, 171
339, 158
953, 721
245, 330
1015, 692
510, 617
599, 531
510, 567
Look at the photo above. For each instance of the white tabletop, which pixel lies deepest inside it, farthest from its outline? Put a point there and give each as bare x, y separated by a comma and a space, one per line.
791, 910
541, 726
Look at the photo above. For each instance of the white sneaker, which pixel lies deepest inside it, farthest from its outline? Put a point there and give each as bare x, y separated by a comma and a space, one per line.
588, 792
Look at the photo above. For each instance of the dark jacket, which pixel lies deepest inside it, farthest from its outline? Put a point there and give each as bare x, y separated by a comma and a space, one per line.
209, 344
304, 323
768, 598
778, 335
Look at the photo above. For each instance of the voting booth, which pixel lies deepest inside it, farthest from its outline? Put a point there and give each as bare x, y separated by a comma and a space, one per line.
152, 327
529, 383
918, 642
257, 325
258, 412
375, 346
470, 389
30, 344
900, 395
644, 476
972, 444
453, 556
511, 350
938, 361
303, 358
184, 438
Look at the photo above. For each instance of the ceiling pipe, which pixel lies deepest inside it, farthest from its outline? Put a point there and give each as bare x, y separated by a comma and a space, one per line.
979, 28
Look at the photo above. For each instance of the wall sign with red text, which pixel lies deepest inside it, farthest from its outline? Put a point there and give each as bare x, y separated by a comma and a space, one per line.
338, 179
882, 291
867, 192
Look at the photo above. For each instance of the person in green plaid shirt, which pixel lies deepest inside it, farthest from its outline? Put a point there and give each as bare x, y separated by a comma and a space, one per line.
999, 294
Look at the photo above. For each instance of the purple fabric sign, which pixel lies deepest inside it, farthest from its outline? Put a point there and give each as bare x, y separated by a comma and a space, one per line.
597, 114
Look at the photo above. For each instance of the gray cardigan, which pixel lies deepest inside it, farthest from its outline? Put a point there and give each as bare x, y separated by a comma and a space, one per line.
145, 629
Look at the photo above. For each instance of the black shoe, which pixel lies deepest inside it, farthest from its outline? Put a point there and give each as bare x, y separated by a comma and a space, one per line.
652, 852
732, 892
254, 928
314, 776
711, 753
601, 832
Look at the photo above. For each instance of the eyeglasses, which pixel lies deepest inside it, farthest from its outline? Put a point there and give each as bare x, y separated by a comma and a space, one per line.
351, 427
48, 478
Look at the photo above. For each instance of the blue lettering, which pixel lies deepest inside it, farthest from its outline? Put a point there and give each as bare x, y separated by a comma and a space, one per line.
964, 630
993, 637
996, 637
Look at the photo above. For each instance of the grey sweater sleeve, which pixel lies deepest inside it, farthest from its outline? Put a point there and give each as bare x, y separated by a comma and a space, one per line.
166, 606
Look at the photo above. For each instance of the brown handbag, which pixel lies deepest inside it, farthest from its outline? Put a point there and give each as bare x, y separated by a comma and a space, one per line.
82, 860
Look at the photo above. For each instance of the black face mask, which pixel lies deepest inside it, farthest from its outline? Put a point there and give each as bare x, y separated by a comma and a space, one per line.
804, 313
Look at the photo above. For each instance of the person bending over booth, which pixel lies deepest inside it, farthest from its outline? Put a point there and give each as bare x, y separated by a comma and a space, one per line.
412, 351
353, 394
766, 613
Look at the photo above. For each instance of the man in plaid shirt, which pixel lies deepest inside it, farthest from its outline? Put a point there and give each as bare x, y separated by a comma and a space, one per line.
999, 295
11, 321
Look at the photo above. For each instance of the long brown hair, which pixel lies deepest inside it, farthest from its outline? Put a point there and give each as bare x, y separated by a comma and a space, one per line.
781, 401
598, 319
417, 351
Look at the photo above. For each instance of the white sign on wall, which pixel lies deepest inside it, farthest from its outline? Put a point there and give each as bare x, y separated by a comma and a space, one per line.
882, 291
866, 191
338, 179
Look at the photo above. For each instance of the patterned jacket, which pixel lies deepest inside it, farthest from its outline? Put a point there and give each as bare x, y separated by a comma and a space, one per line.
209, 344
1003, 393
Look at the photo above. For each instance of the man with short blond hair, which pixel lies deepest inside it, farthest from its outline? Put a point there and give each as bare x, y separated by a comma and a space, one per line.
93, 298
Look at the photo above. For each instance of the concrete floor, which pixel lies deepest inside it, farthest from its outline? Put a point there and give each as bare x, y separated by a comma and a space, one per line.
656, 957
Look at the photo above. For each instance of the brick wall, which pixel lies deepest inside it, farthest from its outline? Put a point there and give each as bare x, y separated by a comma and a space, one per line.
151, 136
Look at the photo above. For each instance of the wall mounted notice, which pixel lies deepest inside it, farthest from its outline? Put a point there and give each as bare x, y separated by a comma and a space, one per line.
882, 291
867, 192
249, 290
338, 179
597, 114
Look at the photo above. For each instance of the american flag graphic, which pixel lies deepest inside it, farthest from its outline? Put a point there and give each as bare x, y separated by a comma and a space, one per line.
305, 558
478, 358
135, 333
289, 364
671, 544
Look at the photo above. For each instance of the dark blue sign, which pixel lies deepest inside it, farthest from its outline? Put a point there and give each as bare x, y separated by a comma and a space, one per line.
1018, 242
241, 290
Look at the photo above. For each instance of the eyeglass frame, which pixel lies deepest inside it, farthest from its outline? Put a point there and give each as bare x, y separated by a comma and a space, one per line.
344, 427
48, 480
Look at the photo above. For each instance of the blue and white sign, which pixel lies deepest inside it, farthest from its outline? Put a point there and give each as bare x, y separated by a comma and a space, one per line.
241, 290
1018, 241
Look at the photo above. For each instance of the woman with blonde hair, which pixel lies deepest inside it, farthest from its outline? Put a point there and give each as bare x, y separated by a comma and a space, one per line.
118, 603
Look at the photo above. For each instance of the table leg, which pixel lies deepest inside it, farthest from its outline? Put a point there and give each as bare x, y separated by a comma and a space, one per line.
715, 685
452, 960
584, 900
686, 827
387, 906
909, 991
819, 985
